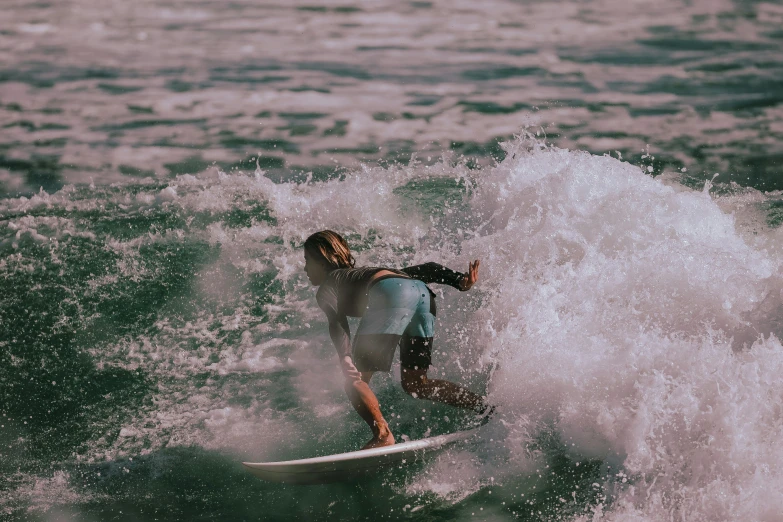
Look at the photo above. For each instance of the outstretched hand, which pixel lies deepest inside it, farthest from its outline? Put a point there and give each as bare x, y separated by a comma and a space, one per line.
471, 277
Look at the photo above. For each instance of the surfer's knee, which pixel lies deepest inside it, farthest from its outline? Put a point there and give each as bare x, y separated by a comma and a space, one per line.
413, 381
409, 386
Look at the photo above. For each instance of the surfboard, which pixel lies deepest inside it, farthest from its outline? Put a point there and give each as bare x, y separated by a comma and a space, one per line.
343, 466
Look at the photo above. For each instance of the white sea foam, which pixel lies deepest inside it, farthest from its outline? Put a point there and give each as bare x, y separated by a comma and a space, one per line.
617, 309
44, 495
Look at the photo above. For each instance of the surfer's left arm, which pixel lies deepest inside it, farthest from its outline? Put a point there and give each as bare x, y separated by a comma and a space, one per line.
436, 273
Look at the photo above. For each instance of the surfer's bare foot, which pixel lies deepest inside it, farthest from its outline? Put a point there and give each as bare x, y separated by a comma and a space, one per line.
384, 437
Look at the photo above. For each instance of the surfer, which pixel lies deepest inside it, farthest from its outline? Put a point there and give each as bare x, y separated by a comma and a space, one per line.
396, 307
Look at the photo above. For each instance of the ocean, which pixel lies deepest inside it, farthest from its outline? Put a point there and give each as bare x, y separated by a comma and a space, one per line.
617, 167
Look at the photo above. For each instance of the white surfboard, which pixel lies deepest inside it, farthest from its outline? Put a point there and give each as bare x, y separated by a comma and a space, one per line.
334, 468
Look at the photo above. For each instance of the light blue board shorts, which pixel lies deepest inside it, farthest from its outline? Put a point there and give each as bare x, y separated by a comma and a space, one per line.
398, 309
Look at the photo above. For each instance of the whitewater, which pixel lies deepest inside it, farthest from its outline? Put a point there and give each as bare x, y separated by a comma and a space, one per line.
626, 326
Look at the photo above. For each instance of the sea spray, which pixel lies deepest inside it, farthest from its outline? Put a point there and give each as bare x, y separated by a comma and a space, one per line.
613, 322
625, 325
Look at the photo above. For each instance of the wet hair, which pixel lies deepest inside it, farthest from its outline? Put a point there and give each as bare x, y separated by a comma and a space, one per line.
330, 248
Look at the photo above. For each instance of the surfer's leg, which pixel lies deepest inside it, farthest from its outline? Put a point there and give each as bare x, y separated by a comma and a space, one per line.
415, 360
366, 405
391, 305
417, 384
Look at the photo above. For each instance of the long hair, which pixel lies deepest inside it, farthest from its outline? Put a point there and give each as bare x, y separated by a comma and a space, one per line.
331, 249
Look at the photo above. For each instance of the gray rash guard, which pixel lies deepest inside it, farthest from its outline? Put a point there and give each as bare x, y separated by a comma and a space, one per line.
344, 293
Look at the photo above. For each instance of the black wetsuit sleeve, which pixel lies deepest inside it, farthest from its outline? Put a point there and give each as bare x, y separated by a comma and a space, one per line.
434, 273
339, 331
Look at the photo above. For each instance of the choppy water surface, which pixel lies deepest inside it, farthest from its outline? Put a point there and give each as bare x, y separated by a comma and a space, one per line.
97, 91
161, 164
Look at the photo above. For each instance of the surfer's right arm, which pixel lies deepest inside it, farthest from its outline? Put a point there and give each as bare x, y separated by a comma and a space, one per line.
339, 331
